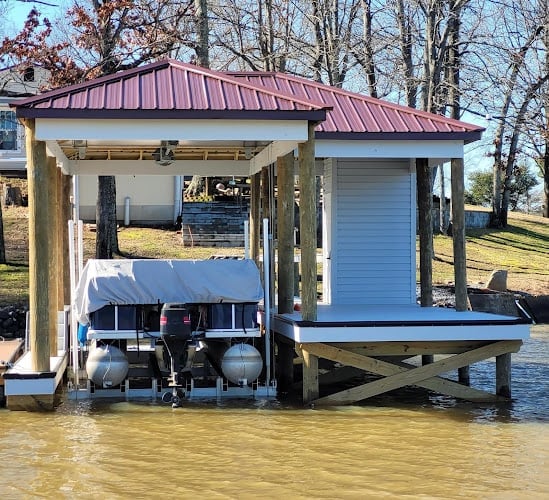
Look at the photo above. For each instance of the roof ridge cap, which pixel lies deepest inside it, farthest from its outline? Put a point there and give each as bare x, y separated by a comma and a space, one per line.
227, 75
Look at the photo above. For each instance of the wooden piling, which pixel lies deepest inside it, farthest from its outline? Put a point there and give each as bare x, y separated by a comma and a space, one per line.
39, 250
427, 359
255, 218
458, 233
464, 376
53, 272
307, 224
310, 376
285, 233
425, 226
503, 375
66, 216
285, 364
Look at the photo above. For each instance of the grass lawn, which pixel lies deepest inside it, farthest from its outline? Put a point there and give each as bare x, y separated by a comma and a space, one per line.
522, 249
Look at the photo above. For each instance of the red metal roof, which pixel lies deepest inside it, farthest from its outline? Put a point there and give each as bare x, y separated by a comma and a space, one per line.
169, 89
172, 89
358, 116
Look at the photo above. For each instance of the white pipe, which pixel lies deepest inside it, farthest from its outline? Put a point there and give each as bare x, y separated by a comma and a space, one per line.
127, 200
80, 236
246, 239
74, 324
267, 301
76, 197
178, 182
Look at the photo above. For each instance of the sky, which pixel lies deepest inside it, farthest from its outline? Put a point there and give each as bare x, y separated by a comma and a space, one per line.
17, 13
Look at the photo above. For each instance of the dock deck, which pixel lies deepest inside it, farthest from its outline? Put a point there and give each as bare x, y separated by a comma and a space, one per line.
380, 338
386, 323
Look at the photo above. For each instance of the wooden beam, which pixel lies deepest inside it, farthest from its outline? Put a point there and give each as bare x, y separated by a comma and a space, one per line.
255, 217
425, 227
285, 233
410, 348
386, 368
39, 250
204, 168
307, 225
414, 376
458, 233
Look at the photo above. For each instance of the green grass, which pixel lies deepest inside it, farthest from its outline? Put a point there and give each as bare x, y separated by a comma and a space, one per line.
14, 284
522, 249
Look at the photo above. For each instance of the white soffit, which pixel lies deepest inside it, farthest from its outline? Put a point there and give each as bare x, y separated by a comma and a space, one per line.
174, 129
388, 149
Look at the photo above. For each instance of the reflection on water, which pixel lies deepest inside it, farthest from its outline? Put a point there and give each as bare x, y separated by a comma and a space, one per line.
418, 445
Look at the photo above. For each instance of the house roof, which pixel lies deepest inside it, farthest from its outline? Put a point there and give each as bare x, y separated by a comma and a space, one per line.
359, 116
169, 89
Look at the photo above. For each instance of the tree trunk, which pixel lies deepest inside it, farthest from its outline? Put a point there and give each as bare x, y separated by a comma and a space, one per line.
2, 242
106, 241
406, 47
546, 180
203, 30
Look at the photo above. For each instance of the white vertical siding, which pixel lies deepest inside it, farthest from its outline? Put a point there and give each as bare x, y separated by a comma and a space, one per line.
372, 212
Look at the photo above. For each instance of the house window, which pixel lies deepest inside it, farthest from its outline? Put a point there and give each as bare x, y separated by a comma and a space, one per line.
8, 131
28, 75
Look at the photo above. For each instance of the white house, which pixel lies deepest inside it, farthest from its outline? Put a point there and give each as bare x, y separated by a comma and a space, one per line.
14, 84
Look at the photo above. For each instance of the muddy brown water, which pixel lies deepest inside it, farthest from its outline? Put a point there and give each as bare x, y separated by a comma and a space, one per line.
414, 445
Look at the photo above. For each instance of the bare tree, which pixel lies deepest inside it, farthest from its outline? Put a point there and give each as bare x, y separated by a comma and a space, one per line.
102, 37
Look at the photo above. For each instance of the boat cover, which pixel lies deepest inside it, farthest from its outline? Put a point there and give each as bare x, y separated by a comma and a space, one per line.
141, 281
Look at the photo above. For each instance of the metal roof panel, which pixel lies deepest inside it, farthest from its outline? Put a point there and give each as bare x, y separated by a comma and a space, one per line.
354, 113
167, 85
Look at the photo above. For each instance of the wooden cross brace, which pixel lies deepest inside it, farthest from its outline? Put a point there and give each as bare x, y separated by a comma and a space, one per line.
402, 374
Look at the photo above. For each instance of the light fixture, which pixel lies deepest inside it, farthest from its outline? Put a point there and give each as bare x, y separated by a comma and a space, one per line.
164, 155
80, 146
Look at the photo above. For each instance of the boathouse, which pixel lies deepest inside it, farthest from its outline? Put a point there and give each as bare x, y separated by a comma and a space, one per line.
375, 160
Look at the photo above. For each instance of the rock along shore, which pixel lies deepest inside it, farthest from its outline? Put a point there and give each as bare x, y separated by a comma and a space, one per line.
12, 322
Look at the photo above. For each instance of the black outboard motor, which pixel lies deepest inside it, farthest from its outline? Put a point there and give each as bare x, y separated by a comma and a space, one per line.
175, 331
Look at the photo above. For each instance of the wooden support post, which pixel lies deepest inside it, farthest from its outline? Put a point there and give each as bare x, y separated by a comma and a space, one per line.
285, 232
458, 233
307, 225
425, 226
255, 217
503, 375
427, 359
310, 377
59, 240
53, 271
464, 375
265, 193
66, 216
39, 251
285, 365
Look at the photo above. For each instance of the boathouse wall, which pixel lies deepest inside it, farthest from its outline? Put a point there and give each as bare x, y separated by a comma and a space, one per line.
152, 197
369, 215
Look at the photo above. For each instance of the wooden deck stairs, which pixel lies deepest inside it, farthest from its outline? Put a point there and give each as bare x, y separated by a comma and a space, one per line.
214, 223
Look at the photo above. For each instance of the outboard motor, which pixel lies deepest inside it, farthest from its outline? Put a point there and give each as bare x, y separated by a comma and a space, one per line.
175, 331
